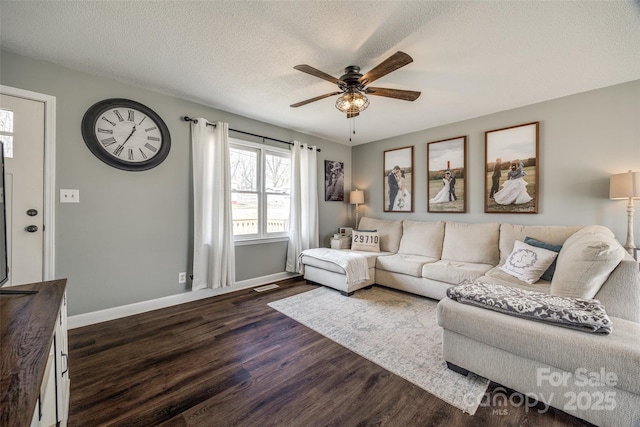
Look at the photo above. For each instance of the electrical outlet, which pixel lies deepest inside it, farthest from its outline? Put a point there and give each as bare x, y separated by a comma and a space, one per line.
182, 278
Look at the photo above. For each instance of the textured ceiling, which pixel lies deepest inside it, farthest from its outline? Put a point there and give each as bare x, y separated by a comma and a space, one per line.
470, 58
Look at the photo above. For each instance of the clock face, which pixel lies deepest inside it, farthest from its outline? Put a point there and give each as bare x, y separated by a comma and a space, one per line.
126, 134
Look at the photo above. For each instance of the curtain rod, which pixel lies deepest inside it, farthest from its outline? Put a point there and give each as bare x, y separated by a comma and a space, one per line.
189, 119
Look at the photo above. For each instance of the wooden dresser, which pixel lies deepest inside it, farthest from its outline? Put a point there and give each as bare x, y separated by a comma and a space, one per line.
34, 363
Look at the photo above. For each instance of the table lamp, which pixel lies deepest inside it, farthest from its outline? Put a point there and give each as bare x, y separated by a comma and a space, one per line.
626, 186
356, 197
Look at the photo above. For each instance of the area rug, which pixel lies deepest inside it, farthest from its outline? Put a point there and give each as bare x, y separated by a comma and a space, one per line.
396, 330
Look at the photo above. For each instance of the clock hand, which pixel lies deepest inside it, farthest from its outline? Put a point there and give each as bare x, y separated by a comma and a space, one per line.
132, 131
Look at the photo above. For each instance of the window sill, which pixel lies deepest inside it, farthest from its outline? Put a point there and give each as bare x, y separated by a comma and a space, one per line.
260, 241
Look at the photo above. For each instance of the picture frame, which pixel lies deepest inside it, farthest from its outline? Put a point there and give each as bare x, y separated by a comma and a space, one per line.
512, 169
333, 181
345, 231
446, 175
398, 180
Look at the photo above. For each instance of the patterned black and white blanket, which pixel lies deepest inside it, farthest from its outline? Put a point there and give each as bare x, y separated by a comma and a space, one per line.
582, 314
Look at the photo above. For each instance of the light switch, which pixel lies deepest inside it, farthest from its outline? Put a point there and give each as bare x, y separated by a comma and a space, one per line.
69, 196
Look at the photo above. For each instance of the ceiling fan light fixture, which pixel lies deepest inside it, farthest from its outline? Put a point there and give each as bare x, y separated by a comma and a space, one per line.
352, 101
352, 85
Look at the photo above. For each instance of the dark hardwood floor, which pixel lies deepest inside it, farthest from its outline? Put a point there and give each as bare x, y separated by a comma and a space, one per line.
233, 361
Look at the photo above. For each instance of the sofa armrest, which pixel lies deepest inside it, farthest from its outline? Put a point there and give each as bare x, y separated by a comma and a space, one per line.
620, 293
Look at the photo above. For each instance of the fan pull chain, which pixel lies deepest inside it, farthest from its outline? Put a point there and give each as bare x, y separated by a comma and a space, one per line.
352, 127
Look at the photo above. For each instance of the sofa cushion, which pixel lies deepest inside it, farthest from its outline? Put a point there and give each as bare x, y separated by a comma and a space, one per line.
474, 243
554, 234
453, 272
585, 262
390, 232
528, 263
405, 264
422, 238
365, 241
330, 266
497, 276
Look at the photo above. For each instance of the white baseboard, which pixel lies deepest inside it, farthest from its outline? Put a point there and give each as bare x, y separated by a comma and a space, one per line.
86, 319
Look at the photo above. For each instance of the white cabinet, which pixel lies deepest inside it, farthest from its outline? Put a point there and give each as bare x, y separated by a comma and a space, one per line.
53, 403
61, 349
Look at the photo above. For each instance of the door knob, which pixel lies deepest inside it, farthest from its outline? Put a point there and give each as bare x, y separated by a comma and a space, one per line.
32, 212
32, 228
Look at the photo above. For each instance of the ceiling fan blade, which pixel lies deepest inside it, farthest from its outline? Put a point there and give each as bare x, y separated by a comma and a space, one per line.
405, 95
317, 98
392, 63
317, 73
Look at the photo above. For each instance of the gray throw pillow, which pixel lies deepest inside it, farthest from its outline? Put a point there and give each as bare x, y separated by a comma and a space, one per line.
547, 275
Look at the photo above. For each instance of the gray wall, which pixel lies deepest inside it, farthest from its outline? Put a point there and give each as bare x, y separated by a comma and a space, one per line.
584, 138
130, 235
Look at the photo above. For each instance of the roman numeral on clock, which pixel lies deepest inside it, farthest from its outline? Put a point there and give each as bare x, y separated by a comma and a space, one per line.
107, 142
117, 113
153, 138
144, 156
150, 129
109, 131
150, 147
130, 115
130, 154
107, 120
118, 150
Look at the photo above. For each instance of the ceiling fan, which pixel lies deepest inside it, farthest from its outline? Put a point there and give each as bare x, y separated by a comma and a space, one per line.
353, 85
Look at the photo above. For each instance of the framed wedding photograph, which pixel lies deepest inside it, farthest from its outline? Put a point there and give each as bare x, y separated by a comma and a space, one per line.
446, 175
511, 169
398, 180
333, 181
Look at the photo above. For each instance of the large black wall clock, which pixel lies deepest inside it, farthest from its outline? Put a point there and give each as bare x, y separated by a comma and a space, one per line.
126, 134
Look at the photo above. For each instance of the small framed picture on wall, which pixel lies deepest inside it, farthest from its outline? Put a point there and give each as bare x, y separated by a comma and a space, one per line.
333, 181
511, 169
398, 180
446, 175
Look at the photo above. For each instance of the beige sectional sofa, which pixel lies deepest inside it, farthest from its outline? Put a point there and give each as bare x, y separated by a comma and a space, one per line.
546, 362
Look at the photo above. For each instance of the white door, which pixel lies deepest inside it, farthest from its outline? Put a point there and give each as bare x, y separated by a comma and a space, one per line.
22, 129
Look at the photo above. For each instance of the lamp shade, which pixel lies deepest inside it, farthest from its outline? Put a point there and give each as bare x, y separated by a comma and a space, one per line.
625, 185
356, 197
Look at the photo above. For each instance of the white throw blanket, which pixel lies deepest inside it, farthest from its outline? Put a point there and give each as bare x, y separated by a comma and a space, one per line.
354, 265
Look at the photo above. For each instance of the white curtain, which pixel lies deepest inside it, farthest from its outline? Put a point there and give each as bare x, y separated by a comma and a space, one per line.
213, 248
303, 213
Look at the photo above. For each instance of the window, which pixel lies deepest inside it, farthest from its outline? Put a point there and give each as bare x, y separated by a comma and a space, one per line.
259, 190
6, 132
